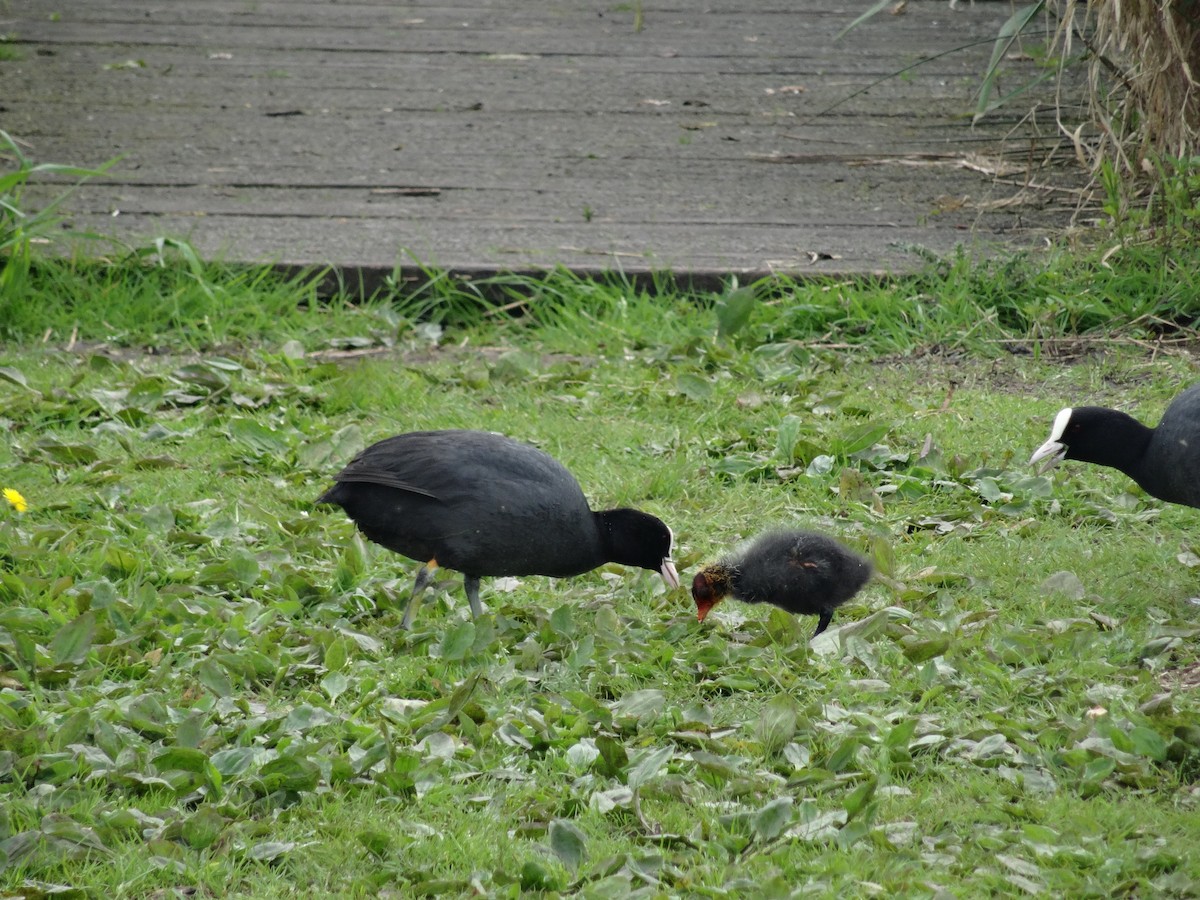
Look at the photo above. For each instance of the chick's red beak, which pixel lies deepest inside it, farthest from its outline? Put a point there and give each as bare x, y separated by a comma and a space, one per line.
704, 595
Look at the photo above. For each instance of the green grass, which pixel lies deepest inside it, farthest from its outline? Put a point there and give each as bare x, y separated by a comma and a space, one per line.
203, 686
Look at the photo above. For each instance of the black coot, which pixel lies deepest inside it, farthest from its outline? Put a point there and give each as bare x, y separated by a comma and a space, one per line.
800, 571
1165, 460
484, 504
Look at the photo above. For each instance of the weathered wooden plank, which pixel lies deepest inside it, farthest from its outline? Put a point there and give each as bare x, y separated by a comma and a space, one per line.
537, 133
570, 31
577, 201
425, 137
759, 180
375, 245
774, 42
511, 88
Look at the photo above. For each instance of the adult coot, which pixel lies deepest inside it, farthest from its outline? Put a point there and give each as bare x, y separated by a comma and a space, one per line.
800, 571
484, 504
1165, 460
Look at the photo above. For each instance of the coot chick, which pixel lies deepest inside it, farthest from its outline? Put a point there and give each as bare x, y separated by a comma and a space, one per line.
1164, 461
484, 504
800, 571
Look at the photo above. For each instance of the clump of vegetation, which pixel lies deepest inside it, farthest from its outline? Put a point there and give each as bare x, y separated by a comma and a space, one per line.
20, 229
1144, 66
204, 687
1143, 63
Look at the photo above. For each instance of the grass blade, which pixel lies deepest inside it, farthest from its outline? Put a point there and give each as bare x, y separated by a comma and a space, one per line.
1008, 34
873, 11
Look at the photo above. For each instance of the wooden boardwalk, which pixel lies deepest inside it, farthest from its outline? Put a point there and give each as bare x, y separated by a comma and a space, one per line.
519, 134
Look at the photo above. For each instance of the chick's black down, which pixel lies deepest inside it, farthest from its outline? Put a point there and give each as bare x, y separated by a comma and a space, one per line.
800, 571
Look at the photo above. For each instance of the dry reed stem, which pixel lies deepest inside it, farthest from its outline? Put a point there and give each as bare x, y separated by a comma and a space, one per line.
1144, 60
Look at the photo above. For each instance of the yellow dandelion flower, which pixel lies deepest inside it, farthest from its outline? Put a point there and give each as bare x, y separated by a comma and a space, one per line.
16, 500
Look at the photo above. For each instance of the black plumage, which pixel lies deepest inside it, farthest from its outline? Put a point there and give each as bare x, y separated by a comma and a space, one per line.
800, 571
1164, 461
483, 504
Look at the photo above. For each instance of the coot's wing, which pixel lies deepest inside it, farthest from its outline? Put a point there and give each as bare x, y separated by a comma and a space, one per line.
470, 469
503, 508
365, 475
414, 463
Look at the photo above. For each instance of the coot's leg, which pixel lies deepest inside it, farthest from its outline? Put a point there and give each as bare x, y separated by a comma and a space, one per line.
823, 623
471, 584
424, 577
